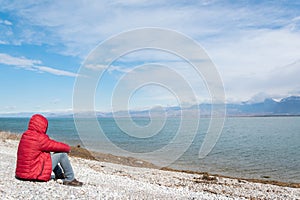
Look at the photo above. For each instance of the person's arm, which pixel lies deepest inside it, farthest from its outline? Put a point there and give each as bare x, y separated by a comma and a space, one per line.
49, 145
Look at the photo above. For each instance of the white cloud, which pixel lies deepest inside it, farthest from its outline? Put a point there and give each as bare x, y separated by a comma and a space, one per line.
6, 22
55, 71
246, 63
95, 66
34, 65
109, 68
246, 41
95, 22
3, 42
18, 61
160, 84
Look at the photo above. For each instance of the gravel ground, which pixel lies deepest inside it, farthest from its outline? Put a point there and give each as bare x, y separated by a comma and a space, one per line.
104, 180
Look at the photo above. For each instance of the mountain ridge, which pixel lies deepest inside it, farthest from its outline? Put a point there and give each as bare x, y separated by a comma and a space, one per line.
289, 106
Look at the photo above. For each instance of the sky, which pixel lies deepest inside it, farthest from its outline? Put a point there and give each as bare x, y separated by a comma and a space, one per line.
254, 45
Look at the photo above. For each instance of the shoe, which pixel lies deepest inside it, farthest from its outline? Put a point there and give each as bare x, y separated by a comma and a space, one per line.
73, 183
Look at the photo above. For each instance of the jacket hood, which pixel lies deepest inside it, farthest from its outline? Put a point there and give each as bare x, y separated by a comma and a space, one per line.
38, 123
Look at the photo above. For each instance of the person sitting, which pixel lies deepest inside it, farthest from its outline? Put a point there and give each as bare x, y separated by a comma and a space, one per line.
38, 155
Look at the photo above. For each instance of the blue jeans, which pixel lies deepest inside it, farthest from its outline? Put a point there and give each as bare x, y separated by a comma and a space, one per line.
63, 160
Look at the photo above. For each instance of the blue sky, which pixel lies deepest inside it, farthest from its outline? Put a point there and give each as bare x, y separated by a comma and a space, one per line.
254, 45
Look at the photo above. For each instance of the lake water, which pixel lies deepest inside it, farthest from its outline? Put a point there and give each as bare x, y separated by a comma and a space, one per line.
249, 147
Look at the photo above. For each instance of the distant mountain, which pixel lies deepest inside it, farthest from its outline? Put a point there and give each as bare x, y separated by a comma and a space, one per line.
290, 105
286, 106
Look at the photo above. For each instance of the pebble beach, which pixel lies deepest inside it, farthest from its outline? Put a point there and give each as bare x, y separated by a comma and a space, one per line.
106, 180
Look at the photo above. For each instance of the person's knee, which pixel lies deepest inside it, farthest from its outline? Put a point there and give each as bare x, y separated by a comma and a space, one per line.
61, 155
64, 155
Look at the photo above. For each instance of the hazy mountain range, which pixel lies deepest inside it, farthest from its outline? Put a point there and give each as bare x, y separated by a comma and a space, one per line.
288, 106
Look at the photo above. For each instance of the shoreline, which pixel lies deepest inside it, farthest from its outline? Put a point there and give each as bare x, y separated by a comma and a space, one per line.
106, 180
133, 162
81, 152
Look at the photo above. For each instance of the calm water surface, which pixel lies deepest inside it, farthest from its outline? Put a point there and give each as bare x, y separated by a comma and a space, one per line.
249, 147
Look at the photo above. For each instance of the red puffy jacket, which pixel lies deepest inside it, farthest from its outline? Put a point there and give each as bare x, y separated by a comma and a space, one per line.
33, 159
